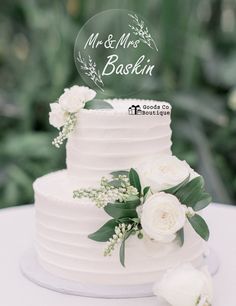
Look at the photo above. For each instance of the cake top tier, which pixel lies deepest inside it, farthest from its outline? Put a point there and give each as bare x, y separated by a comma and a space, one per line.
105, 140
78, 104
108, 135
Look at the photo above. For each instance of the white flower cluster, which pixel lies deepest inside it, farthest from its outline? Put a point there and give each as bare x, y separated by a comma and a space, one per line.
108, 193
162, 214
189, 212
120, 232
63, 113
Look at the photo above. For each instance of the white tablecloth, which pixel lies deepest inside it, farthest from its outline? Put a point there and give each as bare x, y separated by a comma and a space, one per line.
16, 235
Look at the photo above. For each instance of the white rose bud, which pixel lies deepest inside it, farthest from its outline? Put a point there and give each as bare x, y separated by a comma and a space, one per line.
185, 286
74, 98
164, 172
162, 216
57, 116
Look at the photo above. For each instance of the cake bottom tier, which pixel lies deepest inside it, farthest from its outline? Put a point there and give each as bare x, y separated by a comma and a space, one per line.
64, 249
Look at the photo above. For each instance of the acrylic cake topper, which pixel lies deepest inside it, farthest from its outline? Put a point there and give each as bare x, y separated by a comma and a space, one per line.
116, 53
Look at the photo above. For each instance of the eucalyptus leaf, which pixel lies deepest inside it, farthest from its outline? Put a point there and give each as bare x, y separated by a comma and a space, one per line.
132, 202
122, 248
200, 226
122, 253
204, 200
190, 193
105, 232
134, 179
115, 183
145, 192
97, 104
116, 174
180, 236
174, 189
128, 220
118, 211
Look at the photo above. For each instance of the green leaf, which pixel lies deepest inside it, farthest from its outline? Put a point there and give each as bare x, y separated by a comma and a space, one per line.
200, 226
132, 202
145, 192
123, 210
122, 253
105, 232
122, 248
97, 104
134, 179
190, 193
173, 190
203, 201
115, 183
180, 236
128, 220
116, 174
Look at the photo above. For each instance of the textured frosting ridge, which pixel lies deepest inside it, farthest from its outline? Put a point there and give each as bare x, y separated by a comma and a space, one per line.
111, 139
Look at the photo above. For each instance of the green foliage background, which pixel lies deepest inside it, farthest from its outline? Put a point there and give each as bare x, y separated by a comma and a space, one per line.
197, 74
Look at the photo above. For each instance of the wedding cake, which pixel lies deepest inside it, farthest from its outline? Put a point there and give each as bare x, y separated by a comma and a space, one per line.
125, 210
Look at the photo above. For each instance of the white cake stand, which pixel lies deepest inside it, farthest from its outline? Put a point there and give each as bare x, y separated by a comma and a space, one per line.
31, 269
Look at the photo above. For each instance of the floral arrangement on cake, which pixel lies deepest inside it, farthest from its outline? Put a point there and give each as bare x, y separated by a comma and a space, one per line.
152, 201
64, 113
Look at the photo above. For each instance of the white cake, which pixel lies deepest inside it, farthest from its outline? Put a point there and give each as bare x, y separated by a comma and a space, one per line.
104, 140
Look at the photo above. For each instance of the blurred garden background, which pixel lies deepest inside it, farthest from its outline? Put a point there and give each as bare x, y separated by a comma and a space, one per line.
197, 74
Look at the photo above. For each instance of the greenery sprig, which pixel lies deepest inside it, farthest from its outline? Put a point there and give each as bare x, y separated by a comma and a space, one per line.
119, 189
67, 128
123, 194
125, 189
71, 119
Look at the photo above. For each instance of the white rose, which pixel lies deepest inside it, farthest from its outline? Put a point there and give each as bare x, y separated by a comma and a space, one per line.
162, 216
185, 286
57, 115
74, 98
164, 172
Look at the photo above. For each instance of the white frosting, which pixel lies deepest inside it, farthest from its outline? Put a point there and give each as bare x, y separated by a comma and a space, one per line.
62, 228
103, 141
111, 139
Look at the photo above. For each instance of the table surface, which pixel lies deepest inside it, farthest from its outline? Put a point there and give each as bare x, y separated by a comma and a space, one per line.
16, 235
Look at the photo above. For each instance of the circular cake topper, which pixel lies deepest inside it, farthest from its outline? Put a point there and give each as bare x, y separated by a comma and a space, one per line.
116, 53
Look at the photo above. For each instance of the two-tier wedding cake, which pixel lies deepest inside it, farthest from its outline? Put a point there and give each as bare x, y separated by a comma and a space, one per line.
125, 210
